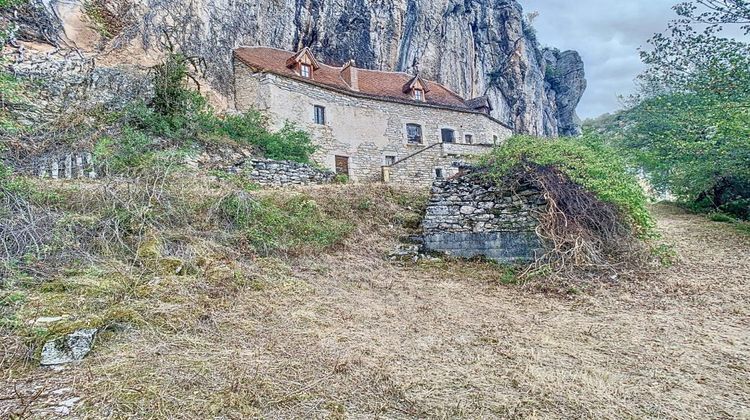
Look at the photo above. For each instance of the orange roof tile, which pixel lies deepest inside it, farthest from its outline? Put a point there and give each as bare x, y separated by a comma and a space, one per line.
382, 85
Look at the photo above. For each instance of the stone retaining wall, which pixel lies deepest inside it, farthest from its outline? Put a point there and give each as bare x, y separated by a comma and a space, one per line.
68, 166
283, 173
468, 216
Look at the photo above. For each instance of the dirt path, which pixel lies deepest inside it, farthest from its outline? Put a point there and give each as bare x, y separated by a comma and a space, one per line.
352, 335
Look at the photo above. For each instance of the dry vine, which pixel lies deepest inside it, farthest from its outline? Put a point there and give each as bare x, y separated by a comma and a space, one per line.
580, 230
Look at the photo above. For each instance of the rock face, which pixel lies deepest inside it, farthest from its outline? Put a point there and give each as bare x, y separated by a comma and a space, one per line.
566, 82
475, 47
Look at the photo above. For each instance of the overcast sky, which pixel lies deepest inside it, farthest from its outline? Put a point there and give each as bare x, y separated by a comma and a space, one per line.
607, 33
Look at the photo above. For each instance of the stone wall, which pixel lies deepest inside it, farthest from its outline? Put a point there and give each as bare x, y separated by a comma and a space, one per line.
67, 166
469, 216
365, 130
421, 168
282, 173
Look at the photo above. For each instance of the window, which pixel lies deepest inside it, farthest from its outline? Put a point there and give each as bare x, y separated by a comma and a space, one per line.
414, 133
320, 115
305, 70
342, 165
419, 94
390, 160
438, 173
468, 139
448, 135
494, 140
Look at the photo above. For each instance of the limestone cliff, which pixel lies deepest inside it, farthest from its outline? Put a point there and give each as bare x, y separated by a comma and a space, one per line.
475, 47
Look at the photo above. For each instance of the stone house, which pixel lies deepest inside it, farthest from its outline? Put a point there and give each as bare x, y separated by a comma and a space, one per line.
369, 125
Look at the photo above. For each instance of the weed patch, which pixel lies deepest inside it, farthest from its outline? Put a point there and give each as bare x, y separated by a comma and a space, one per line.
274, 224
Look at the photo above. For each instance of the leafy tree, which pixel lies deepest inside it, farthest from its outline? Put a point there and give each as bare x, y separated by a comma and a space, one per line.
181, 115
689, 126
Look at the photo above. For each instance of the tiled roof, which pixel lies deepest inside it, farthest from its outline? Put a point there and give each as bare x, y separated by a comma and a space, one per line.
382, 85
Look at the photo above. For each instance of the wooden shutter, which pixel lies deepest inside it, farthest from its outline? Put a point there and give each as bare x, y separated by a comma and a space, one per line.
342, 165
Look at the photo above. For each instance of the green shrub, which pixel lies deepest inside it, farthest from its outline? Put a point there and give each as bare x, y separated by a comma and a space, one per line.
739, 208
179, 116
7, 4
285, 225
12, 91
132, 149
721, 218
11, 185
249, 128
587, 162
288, 144
665, 254
341, 179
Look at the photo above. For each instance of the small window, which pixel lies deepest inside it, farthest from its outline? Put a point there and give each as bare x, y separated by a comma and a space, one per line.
305, 70
448, 135
419, 94
390, 160
468, 139
494, 140
438, 173
414, 133
320, 115
342, 165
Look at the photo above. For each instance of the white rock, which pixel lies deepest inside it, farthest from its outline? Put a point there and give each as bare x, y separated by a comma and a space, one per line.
71, 348
45, 320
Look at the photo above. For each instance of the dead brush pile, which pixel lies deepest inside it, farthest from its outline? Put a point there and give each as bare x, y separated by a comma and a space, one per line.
580, 230
596, 212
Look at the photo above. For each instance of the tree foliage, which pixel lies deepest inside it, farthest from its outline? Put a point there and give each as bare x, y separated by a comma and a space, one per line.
689, 125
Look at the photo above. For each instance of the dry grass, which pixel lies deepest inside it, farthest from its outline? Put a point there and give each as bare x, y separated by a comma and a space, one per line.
345, 333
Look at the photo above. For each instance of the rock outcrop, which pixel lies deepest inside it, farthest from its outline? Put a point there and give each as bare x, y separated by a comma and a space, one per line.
478, 47
566, 82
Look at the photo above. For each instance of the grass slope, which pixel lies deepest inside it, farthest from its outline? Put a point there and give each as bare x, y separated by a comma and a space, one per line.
204, 320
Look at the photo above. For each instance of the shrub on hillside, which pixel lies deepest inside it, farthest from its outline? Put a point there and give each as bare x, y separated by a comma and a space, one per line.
182, 117
289, 224
594, 206
586, 161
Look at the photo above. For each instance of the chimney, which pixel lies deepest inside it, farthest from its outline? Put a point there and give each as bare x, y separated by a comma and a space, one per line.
349, 74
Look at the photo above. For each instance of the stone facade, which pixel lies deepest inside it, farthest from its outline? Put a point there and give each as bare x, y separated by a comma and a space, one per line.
469, 216
282, 173
368, 132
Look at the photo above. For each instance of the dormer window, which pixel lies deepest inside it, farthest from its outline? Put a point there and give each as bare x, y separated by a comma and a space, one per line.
417, 88
303, 63
305, 70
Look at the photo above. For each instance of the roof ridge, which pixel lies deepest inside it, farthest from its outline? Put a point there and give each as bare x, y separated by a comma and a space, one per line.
375, 84
322, 64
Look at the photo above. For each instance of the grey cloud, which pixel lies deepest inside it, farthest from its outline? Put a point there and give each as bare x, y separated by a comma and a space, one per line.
608, 34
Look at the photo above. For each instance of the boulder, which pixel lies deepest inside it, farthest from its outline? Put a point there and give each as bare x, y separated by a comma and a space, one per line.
70, 348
